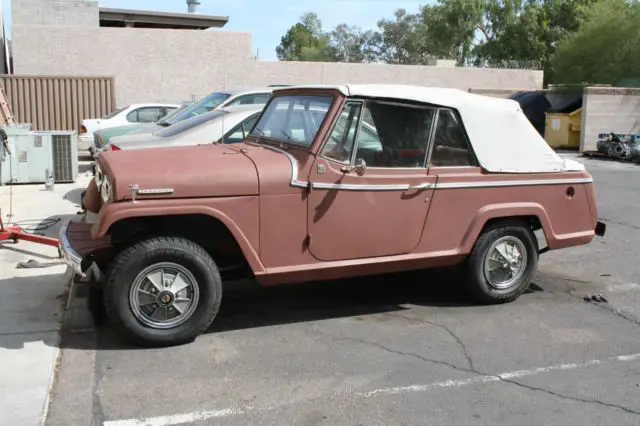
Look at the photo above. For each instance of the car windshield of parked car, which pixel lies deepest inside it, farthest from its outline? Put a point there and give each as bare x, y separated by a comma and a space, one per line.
114, 112
189, 123
293, 118
205, 104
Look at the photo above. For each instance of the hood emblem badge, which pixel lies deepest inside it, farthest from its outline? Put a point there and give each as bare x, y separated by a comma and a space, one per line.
135, 189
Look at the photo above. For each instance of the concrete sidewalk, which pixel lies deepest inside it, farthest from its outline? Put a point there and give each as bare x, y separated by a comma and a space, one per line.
33, 299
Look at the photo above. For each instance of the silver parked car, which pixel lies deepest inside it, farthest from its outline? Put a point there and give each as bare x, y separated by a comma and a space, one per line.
228, 125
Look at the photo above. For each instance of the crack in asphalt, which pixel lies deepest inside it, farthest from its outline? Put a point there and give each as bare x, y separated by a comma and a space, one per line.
568, 397
473, 370
455, 337
410, 354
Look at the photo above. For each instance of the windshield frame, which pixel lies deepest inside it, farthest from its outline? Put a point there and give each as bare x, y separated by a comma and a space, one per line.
258, 136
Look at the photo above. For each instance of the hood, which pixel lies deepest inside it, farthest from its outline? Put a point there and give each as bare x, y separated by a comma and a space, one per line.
150, 128
188, 171
121, 130
138, 141
128, 140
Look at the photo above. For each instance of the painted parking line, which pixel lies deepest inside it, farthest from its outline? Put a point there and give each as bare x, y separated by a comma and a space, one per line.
196, 416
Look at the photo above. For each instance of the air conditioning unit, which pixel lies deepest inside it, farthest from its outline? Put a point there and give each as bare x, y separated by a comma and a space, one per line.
64, 153
37, 155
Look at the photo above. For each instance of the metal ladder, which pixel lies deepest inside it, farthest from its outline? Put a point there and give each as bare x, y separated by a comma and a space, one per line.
6, 116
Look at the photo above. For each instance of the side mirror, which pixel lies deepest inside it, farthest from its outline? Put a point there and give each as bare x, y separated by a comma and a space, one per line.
360, 167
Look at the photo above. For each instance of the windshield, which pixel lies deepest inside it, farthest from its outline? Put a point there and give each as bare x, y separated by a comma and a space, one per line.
190, 123
205, 104
114, 113
293, 118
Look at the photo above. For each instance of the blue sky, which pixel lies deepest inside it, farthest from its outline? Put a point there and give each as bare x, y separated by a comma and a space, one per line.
268, 20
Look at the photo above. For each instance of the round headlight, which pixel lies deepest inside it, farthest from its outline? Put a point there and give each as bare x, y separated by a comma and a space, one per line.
105, 191
99, 176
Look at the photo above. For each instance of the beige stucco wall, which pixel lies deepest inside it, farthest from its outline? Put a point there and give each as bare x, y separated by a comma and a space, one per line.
172, 65
55, 12
608, 109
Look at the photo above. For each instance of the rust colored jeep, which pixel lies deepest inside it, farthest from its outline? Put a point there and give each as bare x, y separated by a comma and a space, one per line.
333, 181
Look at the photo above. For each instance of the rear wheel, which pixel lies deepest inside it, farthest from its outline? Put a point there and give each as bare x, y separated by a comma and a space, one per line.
163, 291
502, 262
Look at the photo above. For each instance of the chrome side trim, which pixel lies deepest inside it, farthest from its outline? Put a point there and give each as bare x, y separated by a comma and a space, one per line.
494, 184
70, 256
322, 185
294, 165
452, 185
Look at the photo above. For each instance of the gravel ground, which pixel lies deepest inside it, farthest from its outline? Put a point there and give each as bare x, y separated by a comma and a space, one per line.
391, 349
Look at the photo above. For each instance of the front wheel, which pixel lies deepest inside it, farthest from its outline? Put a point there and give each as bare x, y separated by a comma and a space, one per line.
502, 263
163, 291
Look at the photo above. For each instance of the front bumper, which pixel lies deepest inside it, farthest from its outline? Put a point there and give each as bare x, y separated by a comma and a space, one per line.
80, 262
70, 256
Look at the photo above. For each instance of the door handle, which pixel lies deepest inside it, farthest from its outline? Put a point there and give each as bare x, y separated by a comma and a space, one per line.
424, 185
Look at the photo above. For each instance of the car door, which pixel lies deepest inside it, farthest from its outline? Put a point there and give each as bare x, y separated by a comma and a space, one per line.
370, 188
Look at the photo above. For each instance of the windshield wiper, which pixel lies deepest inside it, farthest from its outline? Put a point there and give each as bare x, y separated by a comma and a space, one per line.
286, 134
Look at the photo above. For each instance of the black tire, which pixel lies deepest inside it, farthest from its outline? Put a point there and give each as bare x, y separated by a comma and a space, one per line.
132, 261
478, 285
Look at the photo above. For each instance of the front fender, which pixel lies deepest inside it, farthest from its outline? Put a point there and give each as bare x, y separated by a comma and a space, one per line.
112, 213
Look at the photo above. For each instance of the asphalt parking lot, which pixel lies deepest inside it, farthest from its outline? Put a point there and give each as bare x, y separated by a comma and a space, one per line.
400, 349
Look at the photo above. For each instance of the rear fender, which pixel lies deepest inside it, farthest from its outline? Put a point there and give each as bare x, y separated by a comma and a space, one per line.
113, 213
506, 211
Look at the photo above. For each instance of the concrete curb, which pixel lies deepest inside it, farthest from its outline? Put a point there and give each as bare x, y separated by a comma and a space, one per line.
70, 290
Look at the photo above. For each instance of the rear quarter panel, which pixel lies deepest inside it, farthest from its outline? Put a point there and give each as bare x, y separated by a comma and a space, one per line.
466, 198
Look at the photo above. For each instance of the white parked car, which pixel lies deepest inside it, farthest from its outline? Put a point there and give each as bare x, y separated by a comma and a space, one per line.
228, 125
134, 113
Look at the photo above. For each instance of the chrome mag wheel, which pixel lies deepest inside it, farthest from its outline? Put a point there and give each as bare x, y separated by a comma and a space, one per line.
505, 262
164, 295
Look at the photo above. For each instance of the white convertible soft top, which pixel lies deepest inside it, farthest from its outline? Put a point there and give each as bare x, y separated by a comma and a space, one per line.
501, 135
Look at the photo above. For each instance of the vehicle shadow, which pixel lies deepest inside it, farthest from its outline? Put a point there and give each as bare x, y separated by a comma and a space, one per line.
247, 305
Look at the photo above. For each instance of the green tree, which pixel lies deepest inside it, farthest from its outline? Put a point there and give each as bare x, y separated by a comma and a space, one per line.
401, 41
605, 48
450, 27
351, 44
306, 41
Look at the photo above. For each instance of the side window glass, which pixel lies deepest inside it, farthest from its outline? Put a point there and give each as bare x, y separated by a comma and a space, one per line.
148, 115
394, 135
450, 146
133, 116
262, 98
256, 98
340, 144
164, 111
247, 125
234, 135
